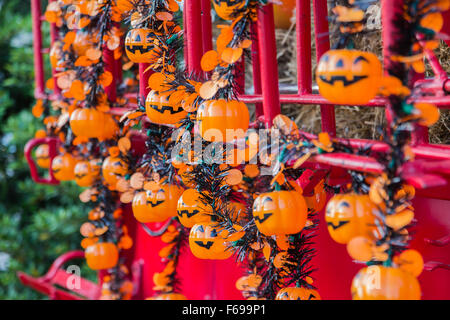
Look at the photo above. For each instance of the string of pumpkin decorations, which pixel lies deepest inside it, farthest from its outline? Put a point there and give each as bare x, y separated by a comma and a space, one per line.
382, 209
210, 194
83, 80
217, 210
265, 279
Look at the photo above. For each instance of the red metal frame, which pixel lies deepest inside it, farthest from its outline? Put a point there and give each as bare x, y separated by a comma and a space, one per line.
53, 144
57, 276
429, 171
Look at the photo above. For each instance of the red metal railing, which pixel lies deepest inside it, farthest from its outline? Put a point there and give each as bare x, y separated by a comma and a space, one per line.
430, 170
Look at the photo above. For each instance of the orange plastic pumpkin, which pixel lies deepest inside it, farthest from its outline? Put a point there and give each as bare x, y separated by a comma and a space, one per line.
42, 156
280, 212
351, 215
385, 283
140, 46
206, 242
86, 172
294, 293
283, 13
160, 111
349, 76
102, 255
219, 120
91, 123
156, 206
194, 211
112, 169
226, 8
63, 167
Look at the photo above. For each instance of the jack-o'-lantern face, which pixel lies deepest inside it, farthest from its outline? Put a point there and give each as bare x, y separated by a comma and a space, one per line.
385, 283
42, 156
157, 205
140, 46
206, 242
86, 172
280, 212
112, 169
160, 111
63, 167
351, 215
293, 293
191, 210
226, 8
349, 76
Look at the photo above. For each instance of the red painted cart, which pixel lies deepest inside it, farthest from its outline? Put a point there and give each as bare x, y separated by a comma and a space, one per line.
429, 173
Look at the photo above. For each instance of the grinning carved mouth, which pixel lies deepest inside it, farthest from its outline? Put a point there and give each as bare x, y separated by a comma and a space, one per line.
138, 47
187, 213
206, 245
340, 224
80, 176
155, 204
164, 108
266, 216
343, 79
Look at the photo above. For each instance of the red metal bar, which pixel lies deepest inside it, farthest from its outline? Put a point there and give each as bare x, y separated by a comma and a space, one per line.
268, 62
108, 58
240, 75
323, 45
389, 10
257, 86
143, 81
194, 21
420, 134
186, 28
304, 70
206, 25
37, 48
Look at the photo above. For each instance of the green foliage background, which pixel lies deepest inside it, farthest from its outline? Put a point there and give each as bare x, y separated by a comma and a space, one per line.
37, 223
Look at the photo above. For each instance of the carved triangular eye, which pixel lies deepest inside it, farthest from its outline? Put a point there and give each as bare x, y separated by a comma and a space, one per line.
138, 38
200, 228
340, 63
213, 233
